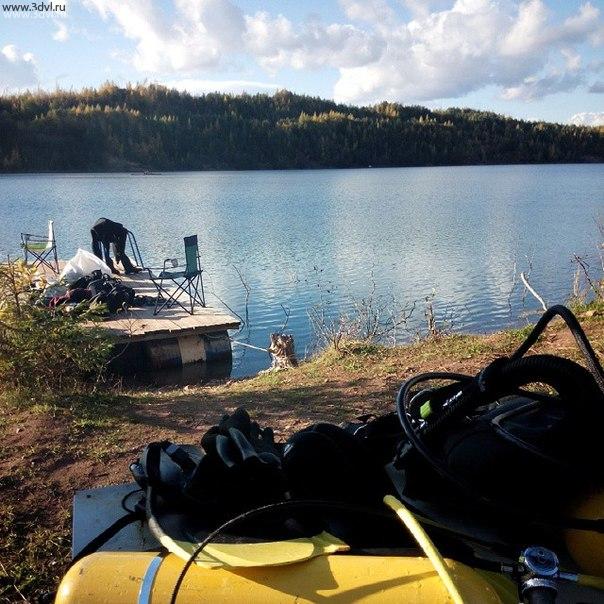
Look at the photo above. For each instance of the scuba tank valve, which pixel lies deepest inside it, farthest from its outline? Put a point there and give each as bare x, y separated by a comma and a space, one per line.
539, 571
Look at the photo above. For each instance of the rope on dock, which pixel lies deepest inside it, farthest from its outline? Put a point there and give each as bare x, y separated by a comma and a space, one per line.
209, 336
249, 345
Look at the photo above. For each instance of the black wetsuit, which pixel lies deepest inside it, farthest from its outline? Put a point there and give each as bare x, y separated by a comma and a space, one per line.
105, 232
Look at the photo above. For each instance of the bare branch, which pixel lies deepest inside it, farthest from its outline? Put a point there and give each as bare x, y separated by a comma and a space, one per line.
513, 287
287, 315
527, 275
248, 290
372, 318
585, 268
532, 291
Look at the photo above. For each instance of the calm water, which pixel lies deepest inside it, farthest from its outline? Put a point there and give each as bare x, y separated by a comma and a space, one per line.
298, 236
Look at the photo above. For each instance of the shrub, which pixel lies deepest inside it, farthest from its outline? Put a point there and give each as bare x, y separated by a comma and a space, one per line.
46, 350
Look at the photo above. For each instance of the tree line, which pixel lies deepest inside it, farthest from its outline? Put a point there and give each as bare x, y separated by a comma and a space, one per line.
151, 127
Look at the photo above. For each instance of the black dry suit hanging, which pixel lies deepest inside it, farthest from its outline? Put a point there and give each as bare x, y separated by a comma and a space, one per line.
511, 448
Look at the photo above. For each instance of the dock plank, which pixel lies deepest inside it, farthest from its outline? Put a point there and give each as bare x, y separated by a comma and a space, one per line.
139, 323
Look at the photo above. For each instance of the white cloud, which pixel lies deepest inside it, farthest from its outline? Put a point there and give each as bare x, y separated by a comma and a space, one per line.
473, 44
533, 87
448, 49
445, 54
597, 87
372, 11
422, 8
219, 20
17, 70
205, 32
195, 86
532, 31
584, 24
588, 118
198, 36
62, 33
277, 43
572, 58
526, 32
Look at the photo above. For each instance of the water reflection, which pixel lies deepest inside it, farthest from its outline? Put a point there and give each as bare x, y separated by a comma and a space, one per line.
194, 373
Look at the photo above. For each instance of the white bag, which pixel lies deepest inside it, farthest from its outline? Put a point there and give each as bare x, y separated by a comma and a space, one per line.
82, 264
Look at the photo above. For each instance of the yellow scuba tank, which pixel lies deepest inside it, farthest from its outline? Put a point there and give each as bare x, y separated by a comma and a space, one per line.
145, 577
273, 572
587, 547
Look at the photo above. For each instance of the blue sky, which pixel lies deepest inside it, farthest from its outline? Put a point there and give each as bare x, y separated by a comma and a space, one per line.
536, 59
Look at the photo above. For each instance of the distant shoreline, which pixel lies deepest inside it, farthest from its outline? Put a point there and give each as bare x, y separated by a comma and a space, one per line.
184, 171
152, 128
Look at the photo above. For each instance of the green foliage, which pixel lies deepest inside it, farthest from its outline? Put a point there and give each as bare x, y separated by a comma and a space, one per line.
43, 350
153, 127
33, 556
593, 308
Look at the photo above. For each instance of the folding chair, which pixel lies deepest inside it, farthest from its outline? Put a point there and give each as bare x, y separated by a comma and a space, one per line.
43, 249
187, 282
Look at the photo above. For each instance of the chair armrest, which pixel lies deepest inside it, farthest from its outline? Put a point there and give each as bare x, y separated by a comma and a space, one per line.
155, 271
174, 263
159, 268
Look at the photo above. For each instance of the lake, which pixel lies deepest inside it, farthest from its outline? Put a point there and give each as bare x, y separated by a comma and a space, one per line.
304, 238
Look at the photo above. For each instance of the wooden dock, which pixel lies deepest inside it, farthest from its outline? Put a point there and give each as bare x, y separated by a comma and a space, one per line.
139, 323
171, 338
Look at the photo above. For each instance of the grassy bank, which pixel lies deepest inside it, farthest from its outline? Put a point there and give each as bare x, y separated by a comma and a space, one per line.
53, 447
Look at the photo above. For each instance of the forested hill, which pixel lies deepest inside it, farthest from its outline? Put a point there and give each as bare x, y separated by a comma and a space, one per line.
154, 128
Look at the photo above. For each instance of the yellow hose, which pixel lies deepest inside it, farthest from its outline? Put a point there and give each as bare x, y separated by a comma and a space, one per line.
425, 543
590, 581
